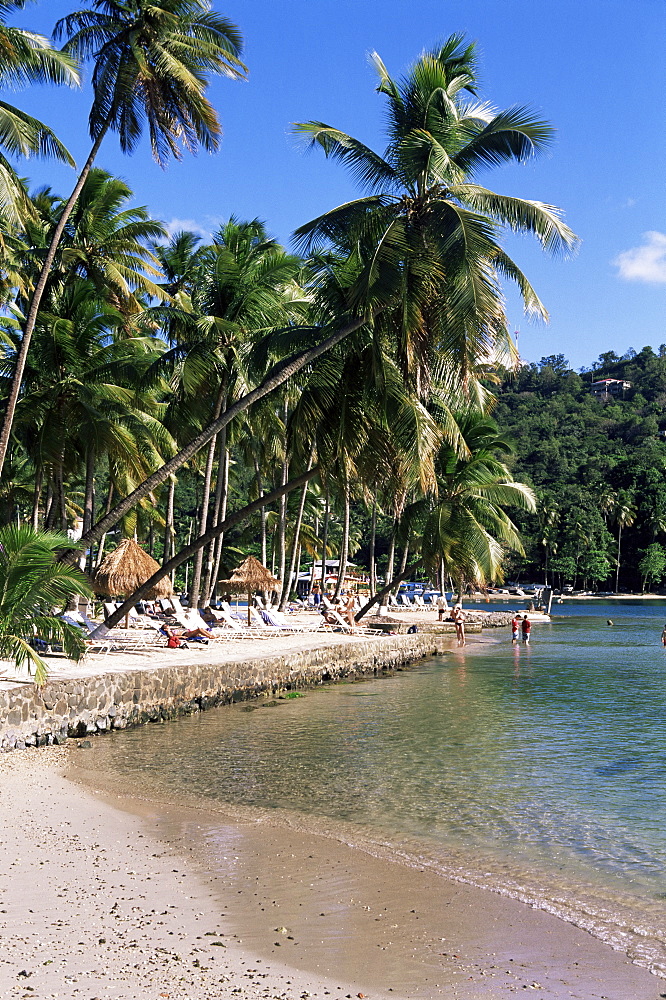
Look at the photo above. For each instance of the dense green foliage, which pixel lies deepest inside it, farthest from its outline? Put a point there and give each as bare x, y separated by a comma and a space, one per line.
32, 582
597, 464
154, 388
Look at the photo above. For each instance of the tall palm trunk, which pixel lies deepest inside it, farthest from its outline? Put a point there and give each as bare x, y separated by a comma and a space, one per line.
314, 556
89, 500
168, 522
195, 586
389, 565
296, 547
324, 542
188, 551
373, 540
37, 496
263, 514
442, 577
344, 544
37, 296
617, 566
282, 521
221, 497
276, 378
89, 495
49, 506
100, 547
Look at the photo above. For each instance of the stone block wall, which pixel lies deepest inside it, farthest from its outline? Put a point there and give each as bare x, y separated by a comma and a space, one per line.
64, 708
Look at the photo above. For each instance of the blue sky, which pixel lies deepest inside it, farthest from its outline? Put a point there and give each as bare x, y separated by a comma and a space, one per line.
594, 68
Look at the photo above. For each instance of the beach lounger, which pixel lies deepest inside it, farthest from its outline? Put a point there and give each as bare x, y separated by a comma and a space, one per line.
134, 619
276, 620
117, 640
241, 631
344, 626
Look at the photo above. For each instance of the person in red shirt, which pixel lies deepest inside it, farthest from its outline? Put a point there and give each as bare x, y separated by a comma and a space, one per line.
527, 628
515, 627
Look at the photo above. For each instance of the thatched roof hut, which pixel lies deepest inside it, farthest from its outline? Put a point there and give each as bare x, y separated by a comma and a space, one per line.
125, 569
251, 575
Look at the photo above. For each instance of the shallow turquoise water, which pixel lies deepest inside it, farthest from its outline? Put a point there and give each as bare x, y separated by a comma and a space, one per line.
538, 771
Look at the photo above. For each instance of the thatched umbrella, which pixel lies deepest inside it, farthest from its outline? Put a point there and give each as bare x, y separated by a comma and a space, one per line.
125, 569
251, 575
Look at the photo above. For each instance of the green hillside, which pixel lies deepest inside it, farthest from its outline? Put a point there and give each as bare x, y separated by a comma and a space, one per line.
598, 465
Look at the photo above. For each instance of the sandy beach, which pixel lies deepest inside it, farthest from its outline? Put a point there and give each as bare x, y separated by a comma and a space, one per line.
107, 897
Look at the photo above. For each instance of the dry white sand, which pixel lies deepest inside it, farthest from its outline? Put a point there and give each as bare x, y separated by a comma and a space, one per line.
96, 902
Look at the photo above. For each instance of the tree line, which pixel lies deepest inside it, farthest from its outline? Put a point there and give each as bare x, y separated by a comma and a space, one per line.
223, 396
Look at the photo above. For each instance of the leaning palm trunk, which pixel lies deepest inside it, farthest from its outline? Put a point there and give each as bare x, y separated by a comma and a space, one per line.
385, 591
280, 374
405, 556
192, 546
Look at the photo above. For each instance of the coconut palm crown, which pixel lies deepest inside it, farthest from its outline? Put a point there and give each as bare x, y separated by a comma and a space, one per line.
426, 233
26, 57
152, 61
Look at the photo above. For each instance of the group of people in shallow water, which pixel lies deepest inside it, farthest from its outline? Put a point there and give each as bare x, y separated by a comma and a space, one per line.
520, 626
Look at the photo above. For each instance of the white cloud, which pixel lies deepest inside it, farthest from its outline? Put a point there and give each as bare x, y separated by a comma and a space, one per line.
644, 263
174, 226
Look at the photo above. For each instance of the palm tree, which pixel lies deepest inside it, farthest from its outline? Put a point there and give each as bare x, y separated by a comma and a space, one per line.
463, 525
26, 58
106, 241
624, 515
32, 583
244, 286
426, 233
80, 402
422, 248
152, 62
468, 528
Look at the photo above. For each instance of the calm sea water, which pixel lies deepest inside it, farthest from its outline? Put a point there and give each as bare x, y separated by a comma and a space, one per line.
537, 771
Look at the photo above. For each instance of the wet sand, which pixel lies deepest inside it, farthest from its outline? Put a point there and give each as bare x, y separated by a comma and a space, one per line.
103, 897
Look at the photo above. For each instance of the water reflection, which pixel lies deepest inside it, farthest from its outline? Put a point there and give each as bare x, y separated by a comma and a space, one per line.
545, 757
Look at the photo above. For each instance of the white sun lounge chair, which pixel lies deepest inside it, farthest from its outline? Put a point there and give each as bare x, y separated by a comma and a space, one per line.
275, 620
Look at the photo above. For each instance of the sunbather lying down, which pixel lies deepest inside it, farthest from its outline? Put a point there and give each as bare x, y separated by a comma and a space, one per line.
198, 634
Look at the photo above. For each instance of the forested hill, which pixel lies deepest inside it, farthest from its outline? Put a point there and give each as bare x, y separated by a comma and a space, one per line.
598, 465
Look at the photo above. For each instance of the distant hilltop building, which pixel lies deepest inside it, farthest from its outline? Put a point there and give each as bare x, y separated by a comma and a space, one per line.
606, 387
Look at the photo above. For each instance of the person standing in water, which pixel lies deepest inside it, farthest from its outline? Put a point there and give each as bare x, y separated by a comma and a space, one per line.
515, 627
458, 616
663, 637
527, 628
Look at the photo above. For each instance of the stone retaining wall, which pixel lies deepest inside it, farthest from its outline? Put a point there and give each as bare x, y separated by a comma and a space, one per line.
76, 707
